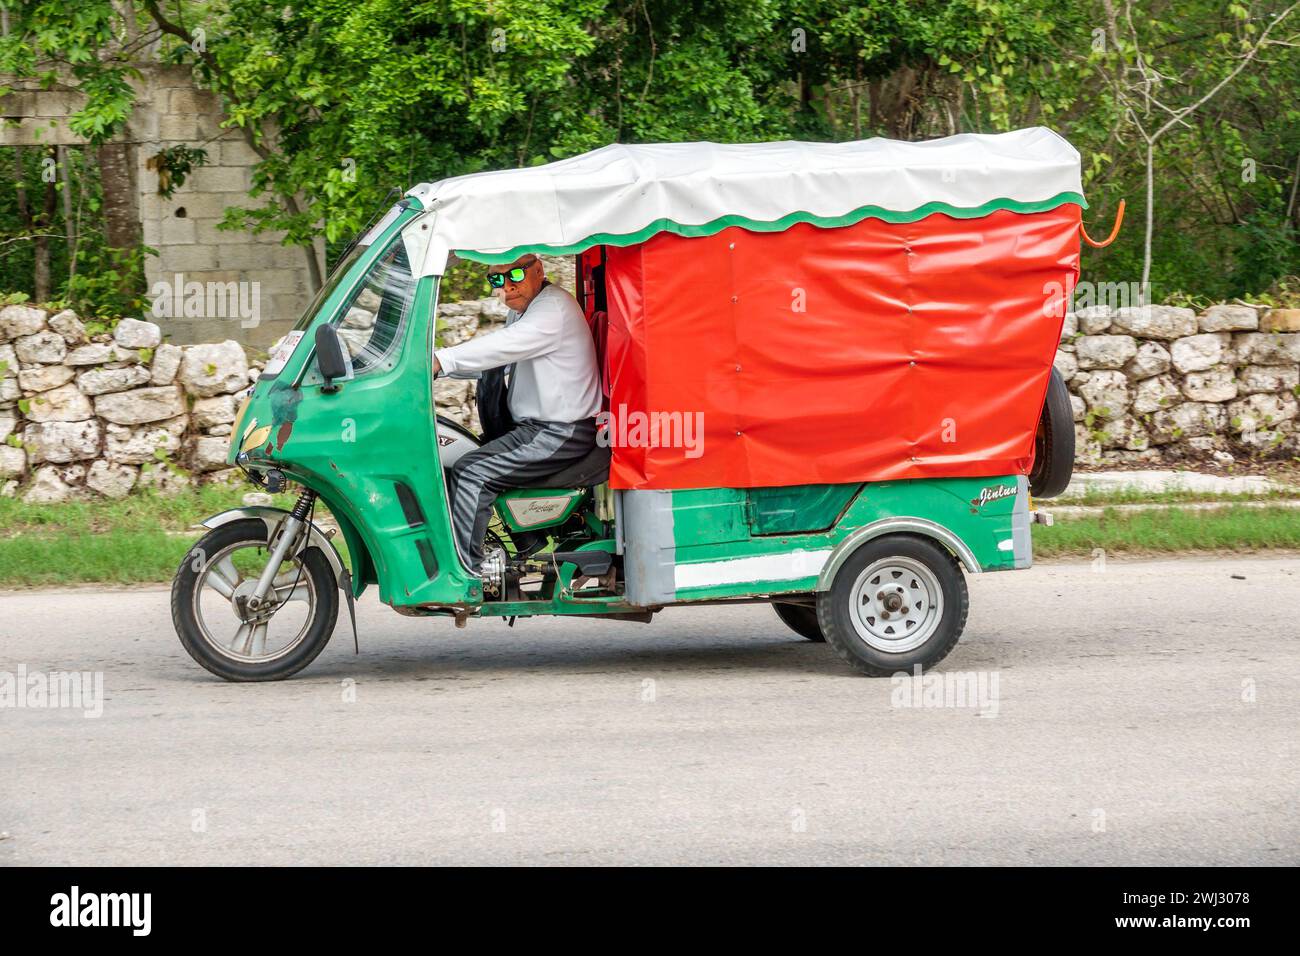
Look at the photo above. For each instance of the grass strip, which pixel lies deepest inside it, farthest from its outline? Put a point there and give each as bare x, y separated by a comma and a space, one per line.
1171, 530
143, 538
140, 539
1134, 496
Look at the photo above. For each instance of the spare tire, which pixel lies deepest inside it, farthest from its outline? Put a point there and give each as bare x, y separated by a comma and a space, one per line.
1053, 442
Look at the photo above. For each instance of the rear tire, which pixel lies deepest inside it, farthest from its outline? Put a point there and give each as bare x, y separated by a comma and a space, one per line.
898, 602
802, 619
1053, 442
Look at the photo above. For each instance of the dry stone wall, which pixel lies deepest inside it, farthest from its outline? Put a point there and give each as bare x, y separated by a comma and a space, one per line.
86, 416
1162, 384
95, 416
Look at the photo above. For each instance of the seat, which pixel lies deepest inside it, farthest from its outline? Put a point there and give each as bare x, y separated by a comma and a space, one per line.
591, 469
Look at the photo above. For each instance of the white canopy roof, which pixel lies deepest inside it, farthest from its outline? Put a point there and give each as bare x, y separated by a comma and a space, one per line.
622, 194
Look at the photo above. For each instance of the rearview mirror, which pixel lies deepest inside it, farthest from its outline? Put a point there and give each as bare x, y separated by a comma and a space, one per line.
331, 361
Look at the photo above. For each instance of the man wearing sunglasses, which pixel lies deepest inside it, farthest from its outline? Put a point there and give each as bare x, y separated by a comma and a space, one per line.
553, 390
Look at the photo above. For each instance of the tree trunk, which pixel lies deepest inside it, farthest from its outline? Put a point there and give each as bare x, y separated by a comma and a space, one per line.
26, 217
41, 226
121, 214
856, 99
20, 188
1150, 224
1291, 208
69, 227
117, 177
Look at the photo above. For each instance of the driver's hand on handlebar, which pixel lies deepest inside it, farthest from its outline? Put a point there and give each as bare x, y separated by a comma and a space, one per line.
437, 366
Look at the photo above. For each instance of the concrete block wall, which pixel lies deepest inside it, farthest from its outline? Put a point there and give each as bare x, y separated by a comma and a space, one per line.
171, 111
183, 228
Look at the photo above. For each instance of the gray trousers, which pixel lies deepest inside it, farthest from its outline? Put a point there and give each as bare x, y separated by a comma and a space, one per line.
530, 451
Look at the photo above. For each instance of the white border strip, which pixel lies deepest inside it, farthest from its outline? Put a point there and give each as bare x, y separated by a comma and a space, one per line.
768, 567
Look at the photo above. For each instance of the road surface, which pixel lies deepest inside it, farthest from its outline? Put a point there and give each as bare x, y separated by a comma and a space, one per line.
1146, 713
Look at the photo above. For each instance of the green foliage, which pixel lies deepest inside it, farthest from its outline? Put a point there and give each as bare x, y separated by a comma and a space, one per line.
108, 284
464, 280
1284, 293
173, 164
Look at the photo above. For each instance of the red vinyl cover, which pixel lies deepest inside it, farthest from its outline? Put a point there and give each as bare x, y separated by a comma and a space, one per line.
870, 352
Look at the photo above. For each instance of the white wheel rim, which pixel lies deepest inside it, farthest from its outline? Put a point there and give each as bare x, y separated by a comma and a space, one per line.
257, 639
897, 604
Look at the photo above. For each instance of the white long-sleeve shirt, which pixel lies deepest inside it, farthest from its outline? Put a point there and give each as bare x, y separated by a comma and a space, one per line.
555, 378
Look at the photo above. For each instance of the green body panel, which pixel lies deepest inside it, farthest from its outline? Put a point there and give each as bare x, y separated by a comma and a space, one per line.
703, 541
798, 508
521, 497
356, 445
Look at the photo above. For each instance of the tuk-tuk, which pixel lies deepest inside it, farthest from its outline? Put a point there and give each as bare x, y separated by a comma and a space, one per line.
827, 375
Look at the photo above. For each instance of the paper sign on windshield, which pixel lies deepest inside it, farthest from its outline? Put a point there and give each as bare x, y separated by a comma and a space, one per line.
280, 357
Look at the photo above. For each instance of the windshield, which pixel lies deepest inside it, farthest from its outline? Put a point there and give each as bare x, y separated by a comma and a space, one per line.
372, 321
340, 270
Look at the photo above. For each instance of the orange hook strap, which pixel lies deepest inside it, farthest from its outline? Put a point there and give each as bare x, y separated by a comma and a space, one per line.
1119, 218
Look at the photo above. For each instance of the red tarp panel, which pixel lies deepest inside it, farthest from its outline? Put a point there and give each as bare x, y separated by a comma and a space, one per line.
923, 350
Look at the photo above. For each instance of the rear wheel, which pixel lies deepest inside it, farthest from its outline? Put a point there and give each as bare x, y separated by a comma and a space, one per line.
1053, 442
898, 602
216, 628
800, 618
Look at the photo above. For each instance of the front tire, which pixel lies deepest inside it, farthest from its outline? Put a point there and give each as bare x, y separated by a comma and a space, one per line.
898, 602
238, 645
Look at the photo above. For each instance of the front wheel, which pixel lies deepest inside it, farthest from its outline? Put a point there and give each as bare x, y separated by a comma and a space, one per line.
209, 610
897, 603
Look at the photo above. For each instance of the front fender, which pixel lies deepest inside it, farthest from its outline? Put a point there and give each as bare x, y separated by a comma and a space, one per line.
272, 517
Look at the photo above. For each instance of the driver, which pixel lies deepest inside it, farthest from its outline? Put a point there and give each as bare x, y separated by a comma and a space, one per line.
553, 396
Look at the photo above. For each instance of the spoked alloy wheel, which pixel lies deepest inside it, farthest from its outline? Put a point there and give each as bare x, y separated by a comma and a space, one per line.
221, 632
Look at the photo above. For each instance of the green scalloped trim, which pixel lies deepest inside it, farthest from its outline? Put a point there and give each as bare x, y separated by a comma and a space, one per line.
777, 225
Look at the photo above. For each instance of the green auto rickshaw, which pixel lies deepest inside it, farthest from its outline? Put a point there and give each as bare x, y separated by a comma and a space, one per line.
827, 380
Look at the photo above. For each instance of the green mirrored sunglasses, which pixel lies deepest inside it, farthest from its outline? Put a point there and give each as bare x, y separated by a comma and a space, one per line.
497, 279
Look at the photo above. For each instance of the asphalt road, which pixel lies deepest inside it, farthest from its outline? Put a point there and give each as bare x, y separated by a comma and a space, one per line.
1144, 714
